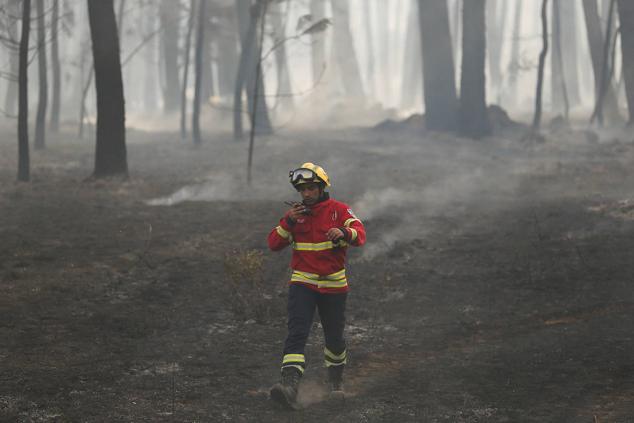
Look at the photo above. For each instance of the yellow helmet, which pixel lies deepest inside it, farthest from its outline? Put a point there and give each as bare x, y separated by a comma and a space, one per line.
309, 172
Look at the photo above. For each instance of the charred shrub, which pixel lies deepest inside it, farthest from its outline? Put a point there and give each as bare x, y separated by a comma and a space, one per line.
249, 297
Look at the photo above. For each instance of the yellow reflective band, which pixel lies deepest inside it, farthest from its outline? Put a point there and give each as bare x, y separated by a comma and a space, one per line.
329, 364
334, 280
298, 367
348, 222
333, 356
283, 232
307, 246
293, 358
354, 234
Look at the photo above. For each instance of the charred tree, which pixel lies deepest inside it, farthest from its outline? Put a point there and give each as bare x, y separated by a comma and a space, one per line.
441, 105
11, 95
606, 77
596, 43
558, 80
626, 17
537, 117
186, 54
248, 76
24, 173
474, 121
569, 42
55, 67
111, 156
169, 11
198, 70
40, 119
344, 51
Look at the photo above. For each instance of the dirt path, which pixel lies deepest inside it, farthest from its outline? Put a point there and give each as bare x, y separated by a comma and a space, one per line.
495, 287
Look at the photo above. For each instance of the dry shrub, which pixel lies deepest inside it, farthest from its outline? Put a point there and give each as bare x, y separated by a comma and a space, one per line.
250, 298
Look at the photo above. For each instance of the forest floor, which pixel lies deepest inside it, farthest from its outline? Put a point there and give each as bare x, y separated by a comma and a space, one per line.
496, 284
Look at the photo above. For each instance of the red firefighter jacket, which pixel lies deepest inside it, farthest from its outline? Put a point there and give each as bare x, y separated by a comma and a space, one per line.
318, 262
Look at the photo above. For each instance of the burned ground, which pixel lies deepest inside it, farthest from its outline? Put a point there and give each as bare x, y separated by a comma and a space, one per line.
495, 285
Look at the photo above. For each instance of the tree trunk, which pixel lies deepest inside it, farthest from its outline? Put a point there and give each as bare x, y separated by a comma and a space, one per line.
514, 63
495, 40
228, 56
626, 17
596, 43
24, 173
441, 105
150, 50
247, 71
344, 51
57, 80
169, 11
569, 40
186, 54
412, 68
198, 70
40, 120
537, 118
207, 88
559, 89
11, 96
474, 121
606, 76
279, 18
110, 157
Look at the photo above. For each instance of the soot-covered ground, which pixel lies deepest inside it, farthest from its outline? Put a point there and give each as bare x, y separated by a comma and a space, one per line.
496, 285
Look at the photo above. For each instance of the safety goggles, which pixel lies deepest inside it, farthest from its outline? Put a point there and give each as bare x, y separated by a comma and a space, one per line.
300, 174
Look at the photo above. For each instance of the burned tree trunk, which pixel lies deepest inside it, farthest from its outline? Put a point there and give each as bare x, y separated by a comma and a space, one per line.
558, 80
11, 95
474, 121
55, 67
606, 77
186, 54
111, 155
596, 43
40, 119
626, 16
441, 105
198, 70
24, 173
569, 42
537, 117
169, 35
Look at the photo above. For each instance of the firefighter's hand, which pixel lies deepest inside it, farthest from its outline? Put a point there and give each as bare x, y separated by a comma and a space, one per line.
297, 211
334, 234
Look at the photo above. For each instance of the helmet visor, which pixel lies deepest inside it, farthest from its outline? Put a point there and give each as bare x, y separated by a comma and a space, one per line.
305, 175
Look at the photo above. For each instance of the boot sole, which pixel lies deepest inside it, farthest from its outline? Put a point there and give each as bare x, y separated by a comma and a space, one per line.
277, 394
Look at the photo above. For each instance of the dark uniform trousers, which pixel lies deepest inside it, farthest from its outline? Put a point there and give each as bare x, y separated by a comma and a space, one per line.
302, 302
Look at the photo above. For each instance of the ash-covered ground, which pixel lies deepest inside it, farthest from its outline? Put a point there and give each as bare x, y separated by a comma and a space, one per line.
496, 284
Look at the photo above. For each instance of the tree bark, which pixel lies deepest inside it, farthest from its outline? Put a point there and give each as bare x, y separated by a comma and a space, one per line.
24, 173
596, 43
606, 76
495, 40
55, 66
441, 105
40, 119
186, 54
198, 70
169, 20
537, 118
559, 90
228, 55
474, 121
111, 155
626, 17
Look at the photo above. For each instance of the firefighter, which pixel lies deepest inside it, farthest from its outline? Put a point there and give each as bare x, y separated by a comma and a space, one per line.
319, 230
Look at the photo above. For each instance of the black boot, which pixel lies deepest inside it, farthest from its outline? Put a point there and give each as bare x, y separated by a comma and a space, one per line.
285, 392
335, 380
